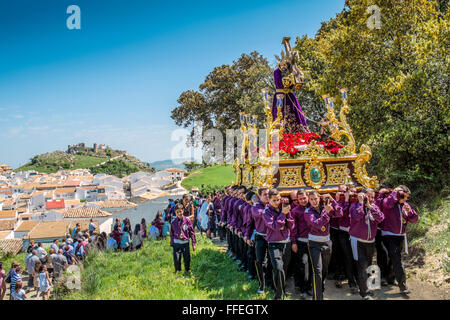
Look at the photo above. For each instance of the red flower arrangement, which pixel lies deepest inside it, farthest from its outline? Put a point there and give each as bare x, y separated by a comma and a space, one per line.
290, 140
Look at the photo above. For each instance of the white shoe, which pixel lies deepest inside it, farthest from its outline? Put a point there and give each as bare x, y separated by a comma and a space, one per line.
260, 291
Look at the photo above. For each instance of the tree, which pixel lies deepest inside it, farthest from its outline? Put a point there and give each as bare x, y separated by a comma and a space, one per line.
398, 84
192, 165
226, 91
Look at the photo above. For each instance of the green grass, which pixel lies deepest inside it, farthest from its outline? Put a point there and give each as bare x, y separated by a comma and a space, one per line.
82, 162
433, 213
219, 176
8, 260
436, 213
51, 165
148, 274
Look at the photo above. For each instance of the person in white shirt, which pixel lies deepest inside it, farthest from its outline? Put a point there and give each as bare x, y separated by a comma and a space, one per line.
55, 245
40, 251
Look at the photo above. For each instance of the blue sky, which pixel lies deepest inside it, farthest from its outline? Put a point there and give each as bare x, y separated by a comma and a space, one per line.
116, 80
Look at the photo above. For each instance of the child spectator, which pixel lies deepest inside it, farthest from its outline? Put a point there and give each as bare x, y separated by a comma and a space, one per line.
166, 227
45, 283
125, 240
181, 231
137, 237
18, 293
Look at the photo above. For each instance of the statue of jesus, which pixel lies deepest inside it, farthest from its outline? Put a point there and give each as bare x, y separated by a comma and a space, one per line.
293, 118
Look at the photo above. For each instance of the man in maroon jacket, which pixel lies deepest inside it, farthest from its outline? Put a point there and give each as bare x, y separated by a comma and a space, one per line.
317, 217
299, 240
365, 217
279, 223
262, 271
397, 213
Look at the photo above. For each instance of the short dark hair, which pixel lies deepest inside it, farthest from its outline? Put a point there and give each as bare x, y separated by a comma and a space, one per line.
249, 195
243, 188
261, 190
387, 185
273, 192
313, 192
179, 206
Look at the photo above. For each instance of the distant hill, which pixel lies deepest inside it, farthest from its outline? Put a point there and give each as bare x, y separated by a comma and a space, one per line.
166, 164
114, 162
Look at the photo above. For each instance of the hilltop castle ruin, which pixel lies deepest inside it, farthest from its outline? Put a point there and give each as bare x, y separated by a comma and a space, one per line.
82, 147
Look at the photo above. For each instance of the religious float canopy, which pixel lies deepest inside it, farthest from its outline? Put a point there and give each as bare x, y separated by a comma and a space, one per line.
291, 156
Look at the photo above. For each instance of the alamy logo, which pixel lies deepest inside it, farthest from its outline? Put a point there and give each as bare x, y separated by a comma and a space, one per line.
74, 20
374, 279
73, 277
374, 21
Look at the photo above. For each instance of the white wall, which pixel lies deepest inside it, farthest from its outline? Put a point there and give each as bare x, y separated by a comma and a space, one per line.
50, 215
37, 202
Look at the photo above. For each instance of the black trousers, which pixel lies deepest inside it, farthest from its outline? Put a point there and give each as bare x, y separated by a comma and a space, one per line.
278, 256
394, 246
229, 240
251, 256
261, 260
336, 266
236, 245
181, 250
232, 242
365, 256
221, 231
347, 257
242, 251
302, 267
382, 258
320, 255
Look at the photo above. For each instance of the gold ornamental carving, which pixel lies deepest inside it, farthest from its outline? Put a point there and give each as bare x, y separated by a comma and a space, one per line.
336, 174
237, 171
291, 177
360, 168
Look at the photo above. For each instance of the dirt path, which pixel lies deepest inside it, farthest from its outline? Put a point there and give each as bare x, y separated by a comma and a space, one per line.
420, 290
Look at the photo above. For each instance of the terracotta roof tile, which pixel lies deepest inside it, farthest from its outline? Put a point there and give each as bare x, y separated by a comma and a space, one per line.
86, 212
71, 202
55, 204
117, 204
8, 213
4, 234
11, 245
49, 229
7, 224
27, 225
174, 170
66, 190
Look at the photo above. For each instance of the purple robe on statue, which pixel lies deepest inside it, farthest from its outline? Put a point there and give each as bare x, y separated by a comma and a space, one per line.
294, 120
